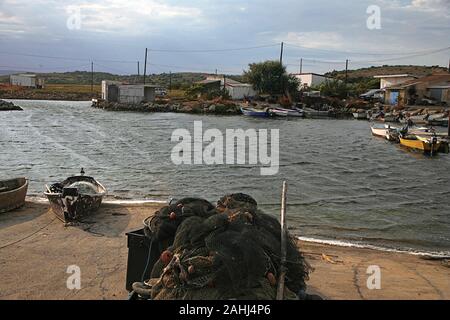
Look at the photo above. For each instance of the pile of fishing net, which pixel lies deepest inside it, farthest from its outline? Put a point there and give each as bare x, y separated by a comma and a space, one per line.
228, 251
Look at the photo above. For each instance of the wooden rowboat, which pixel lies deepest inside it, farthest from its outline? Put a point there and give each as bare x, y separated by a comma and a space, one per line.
281, 112
12, 193
254, 112
427, 145
75, 197
360, 115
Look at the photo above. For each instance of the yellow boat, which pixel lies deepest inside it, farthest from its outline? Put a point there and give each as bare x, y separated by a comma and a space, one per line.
427, 145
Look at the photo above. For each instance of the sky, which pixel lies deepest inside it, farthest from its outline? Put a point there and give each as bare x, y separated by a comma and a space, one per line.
222, 35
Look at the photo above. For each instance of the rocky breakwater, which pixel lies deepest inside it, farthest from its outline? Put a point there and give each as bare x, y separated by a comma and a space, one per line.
193, 107
9, 106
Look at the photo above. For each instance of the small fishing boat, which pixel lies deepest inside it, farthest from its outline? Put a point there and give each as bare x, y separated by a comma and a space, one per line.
281, 112
427, 145
390, 117
12, 193
75, 197
379, 132
441, 122
251, 112
313, 114
360, 115
387, 132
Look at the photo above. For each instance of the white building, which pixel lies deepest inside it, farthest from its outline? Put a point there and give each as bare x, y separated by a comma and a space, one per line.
237, 90
26, 80
308, 80
393, 79
114, 91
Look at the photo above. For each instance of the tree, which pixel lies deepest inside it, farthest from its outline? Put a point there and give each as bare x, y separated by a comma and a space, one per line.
334, 88
270, 77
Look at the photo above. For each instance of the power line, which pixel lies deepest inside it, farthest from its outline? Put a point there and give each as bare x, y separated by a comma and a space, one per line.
213, 50
64, 58
366, 53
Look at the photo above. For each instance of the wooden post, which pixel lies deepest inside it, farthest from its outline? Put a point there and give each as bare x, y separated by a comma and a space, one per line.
346, 71
280, 291
301, 65
92, 77
281, 53
139, 69
170, 81
145, 64
448, 132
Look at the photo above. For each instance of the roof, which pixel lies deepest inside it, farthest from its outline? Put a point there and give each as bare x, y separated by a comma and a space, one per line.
405, 75
434, 79
206, 81
29, 75
310, 73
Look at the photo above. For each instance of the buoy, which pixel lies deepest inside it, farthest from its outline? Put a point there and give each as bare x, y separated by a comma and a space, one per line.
172, 216
271, 278
191, 269
166, 257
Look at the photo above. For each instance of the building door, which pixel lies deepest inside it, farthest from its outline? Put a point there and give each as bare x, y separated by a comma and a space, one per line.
436, 94
394, 97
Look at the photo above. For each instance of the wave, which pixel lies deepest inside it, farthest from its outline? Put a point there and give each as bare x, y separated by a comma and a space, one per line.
348, 244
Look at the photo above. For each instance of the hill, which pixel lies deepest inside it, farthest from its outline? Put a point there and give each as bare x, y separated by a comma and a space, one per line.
383, 70
181, 80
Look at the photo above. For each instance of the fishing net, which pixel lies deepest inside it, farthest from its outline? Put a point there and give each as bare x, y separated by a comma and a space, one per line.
231, 251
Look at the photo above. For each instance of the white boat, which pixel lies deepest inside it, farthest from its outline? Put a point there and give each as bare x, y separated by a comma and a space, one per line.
311, 113
380, 132
281, 112
360, 115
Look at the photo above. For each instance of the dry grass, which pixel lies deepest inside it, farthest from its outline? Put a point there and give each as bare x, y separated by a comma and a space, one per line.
71, 88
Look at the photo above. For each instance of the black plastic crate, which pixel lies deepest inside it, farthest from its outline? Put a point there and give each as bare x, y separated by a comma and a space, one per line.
138, 251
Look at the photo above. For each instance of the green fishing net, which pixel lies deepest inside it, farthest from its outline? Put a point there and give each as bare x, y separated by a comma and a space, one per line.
228, 251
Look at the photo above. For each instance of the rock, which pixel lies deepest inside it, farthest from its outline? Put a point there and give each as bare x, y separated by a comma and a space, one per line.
212, 108
9, 106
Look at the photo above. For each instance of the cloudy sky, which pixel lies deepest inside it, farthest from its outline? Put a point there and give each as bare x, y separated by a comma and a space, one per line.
205, 35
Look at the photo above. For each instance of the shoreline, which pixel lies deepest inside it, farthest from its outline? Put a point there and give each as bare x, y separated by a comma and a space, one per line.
327, 242
32, 236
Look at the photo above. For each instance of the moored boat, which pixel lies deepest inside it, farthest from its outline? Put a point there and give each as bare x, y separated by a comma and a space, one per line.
12, 193
360, 115
311, 113
427, 145
281, 112
75, 197
254, 112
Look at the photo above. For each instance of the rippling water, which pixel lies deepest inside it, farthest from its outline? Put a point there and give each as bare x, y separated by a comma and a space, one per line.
344, 184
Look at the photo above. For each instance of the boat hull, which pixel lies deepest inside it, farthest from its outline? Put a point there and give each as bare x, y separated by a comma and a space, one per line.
379, 132
70, 204
421, 145
254, 113
14, 195
360, 115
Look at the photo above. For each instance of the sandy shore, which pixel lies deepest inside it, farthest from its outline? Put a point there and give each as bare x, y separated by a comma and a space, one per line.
36, 250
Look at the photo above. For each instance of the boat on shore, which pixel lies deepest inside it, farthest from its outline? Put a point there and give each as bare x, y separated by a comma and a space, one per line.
12, 193
75, 197
252, 112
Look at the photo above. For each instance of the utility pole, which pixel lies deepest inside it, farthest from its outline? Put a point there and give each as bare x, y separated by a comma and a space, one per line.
216, 72
139, 69
448, 65
281, 53
301, 65
145, 64
92, 77
346, 71
170, 81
